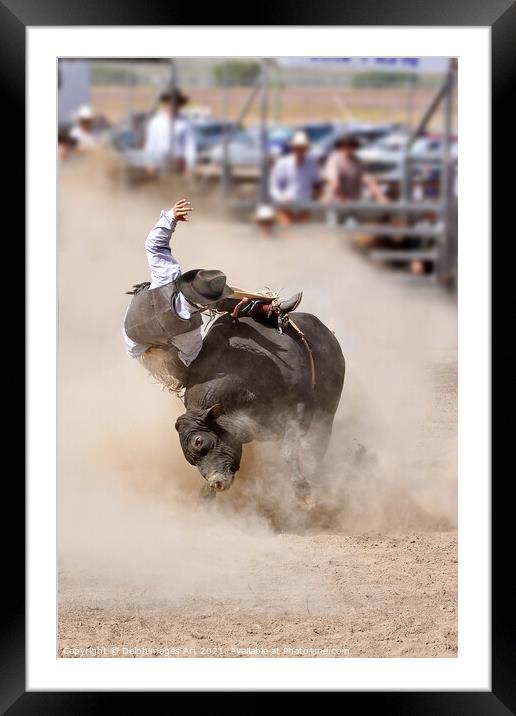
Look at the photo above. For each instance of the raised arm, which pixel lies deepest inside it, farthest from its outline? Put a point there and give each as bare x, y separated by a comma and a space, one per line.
375, 189
163, 265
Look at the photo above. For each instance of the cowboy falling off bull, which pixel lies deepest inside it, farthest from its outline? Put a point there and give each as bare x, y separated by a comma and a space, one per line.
164, 325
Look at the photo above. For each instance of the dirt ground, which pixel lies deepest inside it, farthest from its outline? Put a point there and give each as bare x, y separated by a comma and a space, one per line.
146, 569
363, 596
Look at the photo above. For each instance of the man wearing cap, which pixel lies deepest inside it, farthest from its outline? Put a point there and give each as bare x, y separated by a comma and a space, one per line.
346, 174
82, 131
265, 219
170, 126
164, 323
294, 180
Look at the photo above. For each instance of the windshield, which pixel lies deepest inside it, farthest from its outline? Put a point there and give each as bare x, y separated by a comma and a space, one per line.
391, 144
280, 134
213, 130
317, 132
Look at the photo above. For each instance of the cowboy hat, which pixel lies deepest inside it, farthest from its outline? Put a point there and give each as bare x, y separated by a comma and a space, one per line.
300, 139
264, 212
175, 96
348, 140
203, 287
84, 112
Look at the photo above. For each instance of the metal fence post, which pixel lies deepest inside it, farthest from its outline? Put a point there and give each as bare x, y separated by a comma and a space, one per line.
264, 160
446, 179
173, 86
226, 170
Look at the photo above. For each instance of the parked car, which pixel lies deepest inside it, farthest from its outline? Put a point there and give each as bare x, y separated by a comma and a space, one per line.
243, 149
129, 133
366, 133
389, 147
385, 156
245, 145
279, 136
431, 146
211, 132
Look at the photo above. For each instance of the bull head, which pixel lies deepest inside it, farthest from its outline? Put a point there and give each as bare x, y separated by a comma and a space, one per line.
205, 444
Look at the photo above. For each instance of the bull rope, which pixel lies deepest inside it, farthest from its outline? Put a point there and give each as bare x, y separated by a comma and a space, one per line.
235, 314
308, 348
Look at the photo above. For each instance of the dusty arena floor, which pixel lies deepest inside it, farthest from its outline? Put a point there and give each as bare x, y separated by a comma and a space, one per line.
329, 595
145, 569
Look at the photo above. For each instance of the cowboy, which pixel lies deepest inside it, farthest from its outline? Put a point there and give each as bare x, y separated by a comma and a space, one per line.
346, 175
294, 180
170, 136
82, 130
164, 326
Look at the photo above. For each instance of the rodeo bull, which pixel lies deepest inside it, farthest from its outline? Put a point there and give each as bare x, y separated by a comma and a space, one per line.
261, 372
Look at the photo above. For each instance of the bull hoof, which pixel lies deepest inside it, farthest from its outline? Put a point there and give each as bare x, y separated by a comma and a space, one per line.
307, 502
304, 496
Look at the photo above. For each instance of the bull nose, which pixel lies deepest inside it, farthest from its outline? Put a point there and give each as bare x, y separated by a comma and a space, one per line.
219, 482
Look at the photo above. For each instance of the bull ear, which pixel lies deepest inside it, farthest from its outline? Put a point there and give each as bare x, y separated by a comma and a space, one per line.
214, 412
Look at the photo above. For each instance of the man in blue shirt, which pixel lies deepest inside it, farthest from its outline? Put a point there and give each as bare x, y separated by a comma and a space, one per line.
294, 180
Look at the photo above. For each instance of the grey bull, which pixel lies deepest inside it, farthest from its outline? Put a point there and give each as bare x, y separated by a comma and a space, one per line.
250, 382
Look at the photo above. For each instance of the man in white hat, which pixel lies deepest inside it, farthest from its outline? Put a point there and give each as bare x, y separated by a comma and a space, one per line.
294, 180
82, 131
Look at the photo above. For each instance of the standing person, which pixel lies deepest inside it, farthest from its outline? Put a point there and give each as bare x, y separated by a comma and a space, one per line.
82, 130
170, 136
294, 179
163, 324
346, 175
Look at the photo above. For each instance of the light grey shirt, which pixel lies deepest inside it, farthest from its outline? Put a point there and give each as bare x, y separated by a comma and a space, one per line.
291, 181
164, 268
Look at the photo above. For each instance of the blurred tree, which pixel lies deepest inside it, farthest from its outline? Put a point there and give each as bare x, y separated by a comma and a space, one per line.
384, 79
236, 72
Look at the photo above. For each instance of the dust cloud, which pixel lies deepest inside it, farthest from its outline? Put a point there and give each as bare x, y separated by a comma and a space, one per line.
127, 499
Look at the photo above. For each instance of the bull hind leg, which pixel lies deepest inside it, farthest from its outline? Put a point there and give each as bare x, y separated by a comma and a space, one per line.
304, 452
292, 447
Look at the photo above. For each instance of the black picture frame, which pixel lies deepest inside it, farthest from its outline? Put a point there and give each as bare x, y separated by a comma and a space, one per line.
500, 15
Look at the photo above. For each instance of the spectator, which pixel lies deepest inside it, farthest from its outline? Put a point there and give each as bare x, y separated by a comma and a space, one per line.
65, 144
265, 219
346, 174
294, 179
170, 127
82, 130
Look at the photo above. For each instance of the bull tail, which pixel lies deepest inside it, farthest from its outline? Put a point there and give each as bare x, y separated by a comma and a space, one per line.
137, 287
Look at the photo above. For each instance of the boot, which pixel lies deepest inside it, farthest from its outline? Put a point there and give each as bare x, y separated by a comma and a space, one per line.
287, 305
274, 310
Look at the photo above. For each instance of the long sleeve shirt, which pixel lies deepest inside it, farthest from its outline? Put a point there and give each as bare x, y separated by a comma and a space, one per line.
165, 268
291, 181
158, 144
